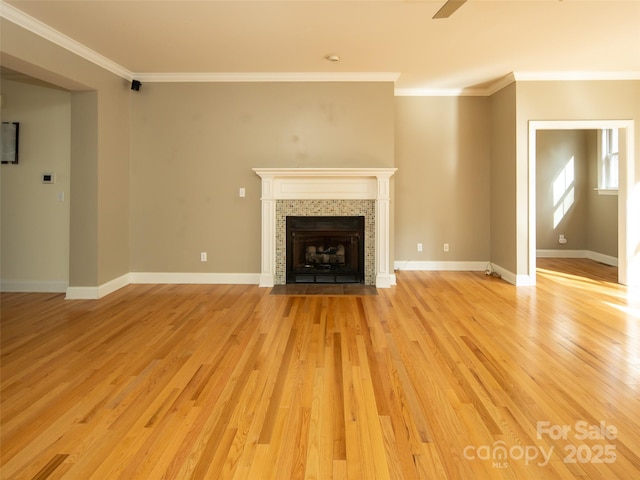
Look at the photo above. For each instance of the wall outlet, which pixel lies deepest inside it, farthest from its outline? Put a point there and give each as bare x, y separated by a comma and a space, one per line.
446, 247
419, 247
242, 192
203, 256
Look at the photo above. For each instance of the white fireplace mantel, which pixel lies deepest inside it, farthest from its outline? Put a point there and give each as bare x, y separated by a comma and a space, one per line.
326, 184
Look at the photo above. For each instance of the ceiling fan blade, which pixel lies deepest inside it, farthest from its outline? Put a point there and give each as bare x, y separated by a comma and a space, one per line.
448, 8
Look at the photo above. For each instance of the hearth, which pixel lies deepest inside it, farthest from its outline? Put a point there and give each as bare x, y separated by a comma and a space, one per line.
327, 249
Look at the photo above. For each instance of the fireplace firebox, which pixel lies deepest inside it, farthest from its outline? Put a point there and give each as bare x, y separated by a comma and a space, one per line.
325, 249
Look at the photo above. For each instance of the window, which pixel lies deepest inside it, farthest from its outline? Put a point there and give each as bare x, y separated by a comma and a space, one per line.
608, 161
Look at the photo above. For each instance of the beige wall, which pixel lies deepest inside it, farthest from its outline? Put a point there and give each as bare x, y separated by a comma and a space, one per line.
83, 263
579, 100
35, 220
503, 175
99, 224
602, 217
591, 223
442, 183
194, 146
555, 149
114, 131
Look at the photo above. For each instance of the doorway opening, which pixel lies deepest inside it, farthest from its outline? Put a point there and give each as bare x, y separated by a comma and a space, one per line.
628, 194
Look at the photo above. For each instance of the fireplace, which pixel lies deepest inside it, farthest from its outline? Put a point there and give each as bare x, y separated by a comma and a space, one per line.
325, 249
326, 192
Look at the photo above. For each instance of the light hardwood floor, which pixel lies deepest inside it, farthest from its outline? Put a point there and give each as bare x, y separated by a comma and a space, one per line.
431, 379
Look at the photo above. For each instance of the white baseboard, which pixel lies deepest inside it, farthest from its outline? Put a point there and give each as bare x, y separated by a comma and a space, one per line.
194, 278
606, 259
474, 266
113, 285
548, 253
519, 280
93, 293
598, 257
32, 286
442, 266
385, 281
83, 293
266, 280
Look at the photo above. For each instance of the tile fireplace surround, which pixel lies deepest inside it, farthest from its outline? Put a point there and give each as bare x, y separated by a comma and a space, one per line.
328, 190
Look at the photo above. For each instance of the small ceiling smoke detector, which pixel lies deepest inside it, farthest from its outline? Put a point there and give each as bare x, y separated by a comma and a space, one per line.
332, 57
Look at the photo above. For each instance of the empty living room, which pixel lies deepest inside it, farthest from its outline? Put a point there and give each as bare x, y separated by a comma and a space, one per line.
343, 239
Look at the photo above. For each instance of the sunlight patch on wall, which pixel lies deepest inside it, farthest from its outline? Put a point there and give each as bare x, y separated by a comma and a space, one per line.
563, 192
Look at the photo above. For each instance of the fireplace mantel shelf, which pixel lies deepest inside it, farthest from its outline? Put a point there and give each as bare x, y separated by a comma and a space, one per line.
325, 172
326, 184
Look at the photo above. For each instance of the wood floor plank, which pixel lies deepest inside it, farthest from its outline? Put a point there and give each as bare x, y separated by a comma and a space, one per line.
429, 379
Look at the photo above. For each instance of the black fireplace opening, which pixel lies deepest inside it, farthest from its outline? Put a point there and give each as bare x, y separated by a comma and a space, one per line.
325, 249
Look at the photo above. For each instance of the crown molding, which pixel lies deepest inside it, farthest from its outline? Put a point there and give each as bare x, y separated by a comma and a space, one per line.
428, 92
43, 30
440, 92
574, 76
457, 92
500, 84
269, 77
517, 77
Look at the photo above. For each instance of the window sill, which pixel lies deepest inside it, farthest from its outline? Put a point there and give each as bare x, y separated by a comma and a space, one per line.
606, 191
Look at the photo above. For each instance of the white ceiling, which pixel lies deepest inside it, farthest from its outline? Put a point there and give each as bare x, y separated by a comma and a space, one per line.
481, 43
